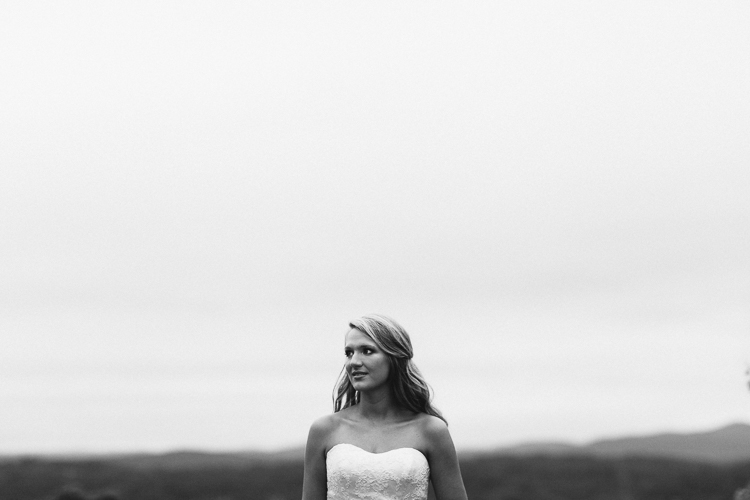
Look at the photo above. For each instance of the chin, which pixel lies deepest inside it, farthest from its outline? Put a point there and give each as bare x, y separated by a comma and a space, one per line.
364, 387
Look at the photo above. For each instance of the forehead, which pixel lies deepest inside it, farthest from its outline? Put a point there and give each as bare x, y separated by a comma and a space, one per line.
356, 338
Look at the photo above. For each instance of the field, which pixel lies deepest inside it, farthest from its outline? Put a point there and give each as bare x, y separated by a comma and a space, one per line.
487, 477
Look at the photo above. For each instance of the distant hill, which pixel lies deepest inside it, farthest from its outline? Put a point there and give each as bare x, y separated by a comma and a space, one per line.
730, 444
189, 459
699, 466
203, 476
725, 445
174, 460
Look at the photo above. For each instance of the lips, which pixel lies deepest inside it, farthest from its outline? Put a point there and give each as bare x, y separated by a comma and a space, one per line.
358, 374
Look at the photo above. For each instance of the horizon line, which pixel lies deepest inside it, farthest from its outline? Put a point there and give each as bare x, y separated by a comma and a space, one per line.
72, 455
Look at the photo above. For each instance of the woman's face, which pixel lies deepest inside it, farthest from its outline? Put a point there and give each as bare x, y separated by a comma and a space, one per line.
366, 364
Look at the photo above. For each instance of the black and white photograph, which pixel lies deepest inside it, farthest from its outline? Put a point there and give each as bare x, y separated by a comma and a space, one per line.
347, 250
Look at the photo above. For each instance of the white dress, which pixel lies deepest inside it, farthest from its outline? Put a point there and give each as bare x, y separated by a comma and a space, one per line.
356, 474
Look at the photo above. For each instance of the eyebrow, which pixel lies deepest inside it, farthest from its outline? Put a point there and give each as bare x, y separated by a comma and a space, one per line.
360, 346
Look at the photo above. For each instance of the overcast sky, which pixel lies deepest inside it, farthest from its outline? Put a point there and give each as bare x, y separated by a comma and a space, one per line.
195, 199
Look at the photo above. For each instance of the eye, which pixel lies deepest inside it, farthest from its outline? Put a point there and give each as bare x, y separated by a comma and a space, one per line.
348, 354
367, 350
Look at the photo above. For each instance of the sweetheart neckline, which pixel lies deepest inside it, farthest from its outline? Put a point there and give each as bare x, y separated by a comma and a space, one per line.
373, 452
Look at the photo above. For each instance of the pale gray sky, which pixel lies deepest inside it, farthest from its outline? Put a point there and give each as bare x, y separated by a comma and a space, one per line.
195, 198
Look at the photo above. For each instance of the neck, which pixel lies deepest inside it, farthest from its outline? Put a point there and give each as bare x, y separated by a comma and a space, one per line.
377, 405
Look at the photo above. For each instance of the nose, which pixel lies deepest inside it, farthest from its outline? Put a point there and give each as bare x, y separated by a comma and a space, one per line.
354, 360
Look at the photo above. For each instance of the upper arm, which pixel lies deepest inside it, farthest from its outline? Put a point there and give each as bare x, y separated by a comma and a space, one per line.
445, 472
314, 481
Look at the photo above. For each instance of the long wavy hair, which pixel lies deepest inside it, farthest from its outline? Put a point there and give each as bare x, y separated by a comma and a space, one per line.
409, 388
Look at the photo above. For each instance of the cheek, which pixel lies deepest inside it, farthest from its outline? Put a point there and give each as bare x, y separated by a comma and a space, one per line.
386, 366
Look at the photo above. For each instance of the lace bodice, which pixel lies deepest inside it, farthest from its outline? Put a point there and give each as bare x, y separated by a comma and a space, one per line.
356, 474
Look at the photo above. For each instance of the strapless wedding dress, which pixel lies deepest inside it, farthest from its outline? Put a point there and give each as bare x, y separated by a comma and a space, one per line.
356, 474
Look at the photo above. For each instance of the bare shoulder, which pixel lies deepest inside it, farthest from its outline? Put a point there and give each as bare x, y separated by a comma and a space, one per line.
435, 433
432, 426
445, 472
322, 428
324, 424
314, 482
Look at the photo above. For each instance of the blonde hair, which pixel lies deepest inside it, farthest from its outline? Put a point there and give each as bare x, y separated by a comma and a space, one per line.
409, 388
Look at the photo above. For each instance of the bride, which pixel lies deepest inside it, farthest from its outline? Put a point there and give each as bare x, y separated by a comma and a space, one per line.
385, 440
